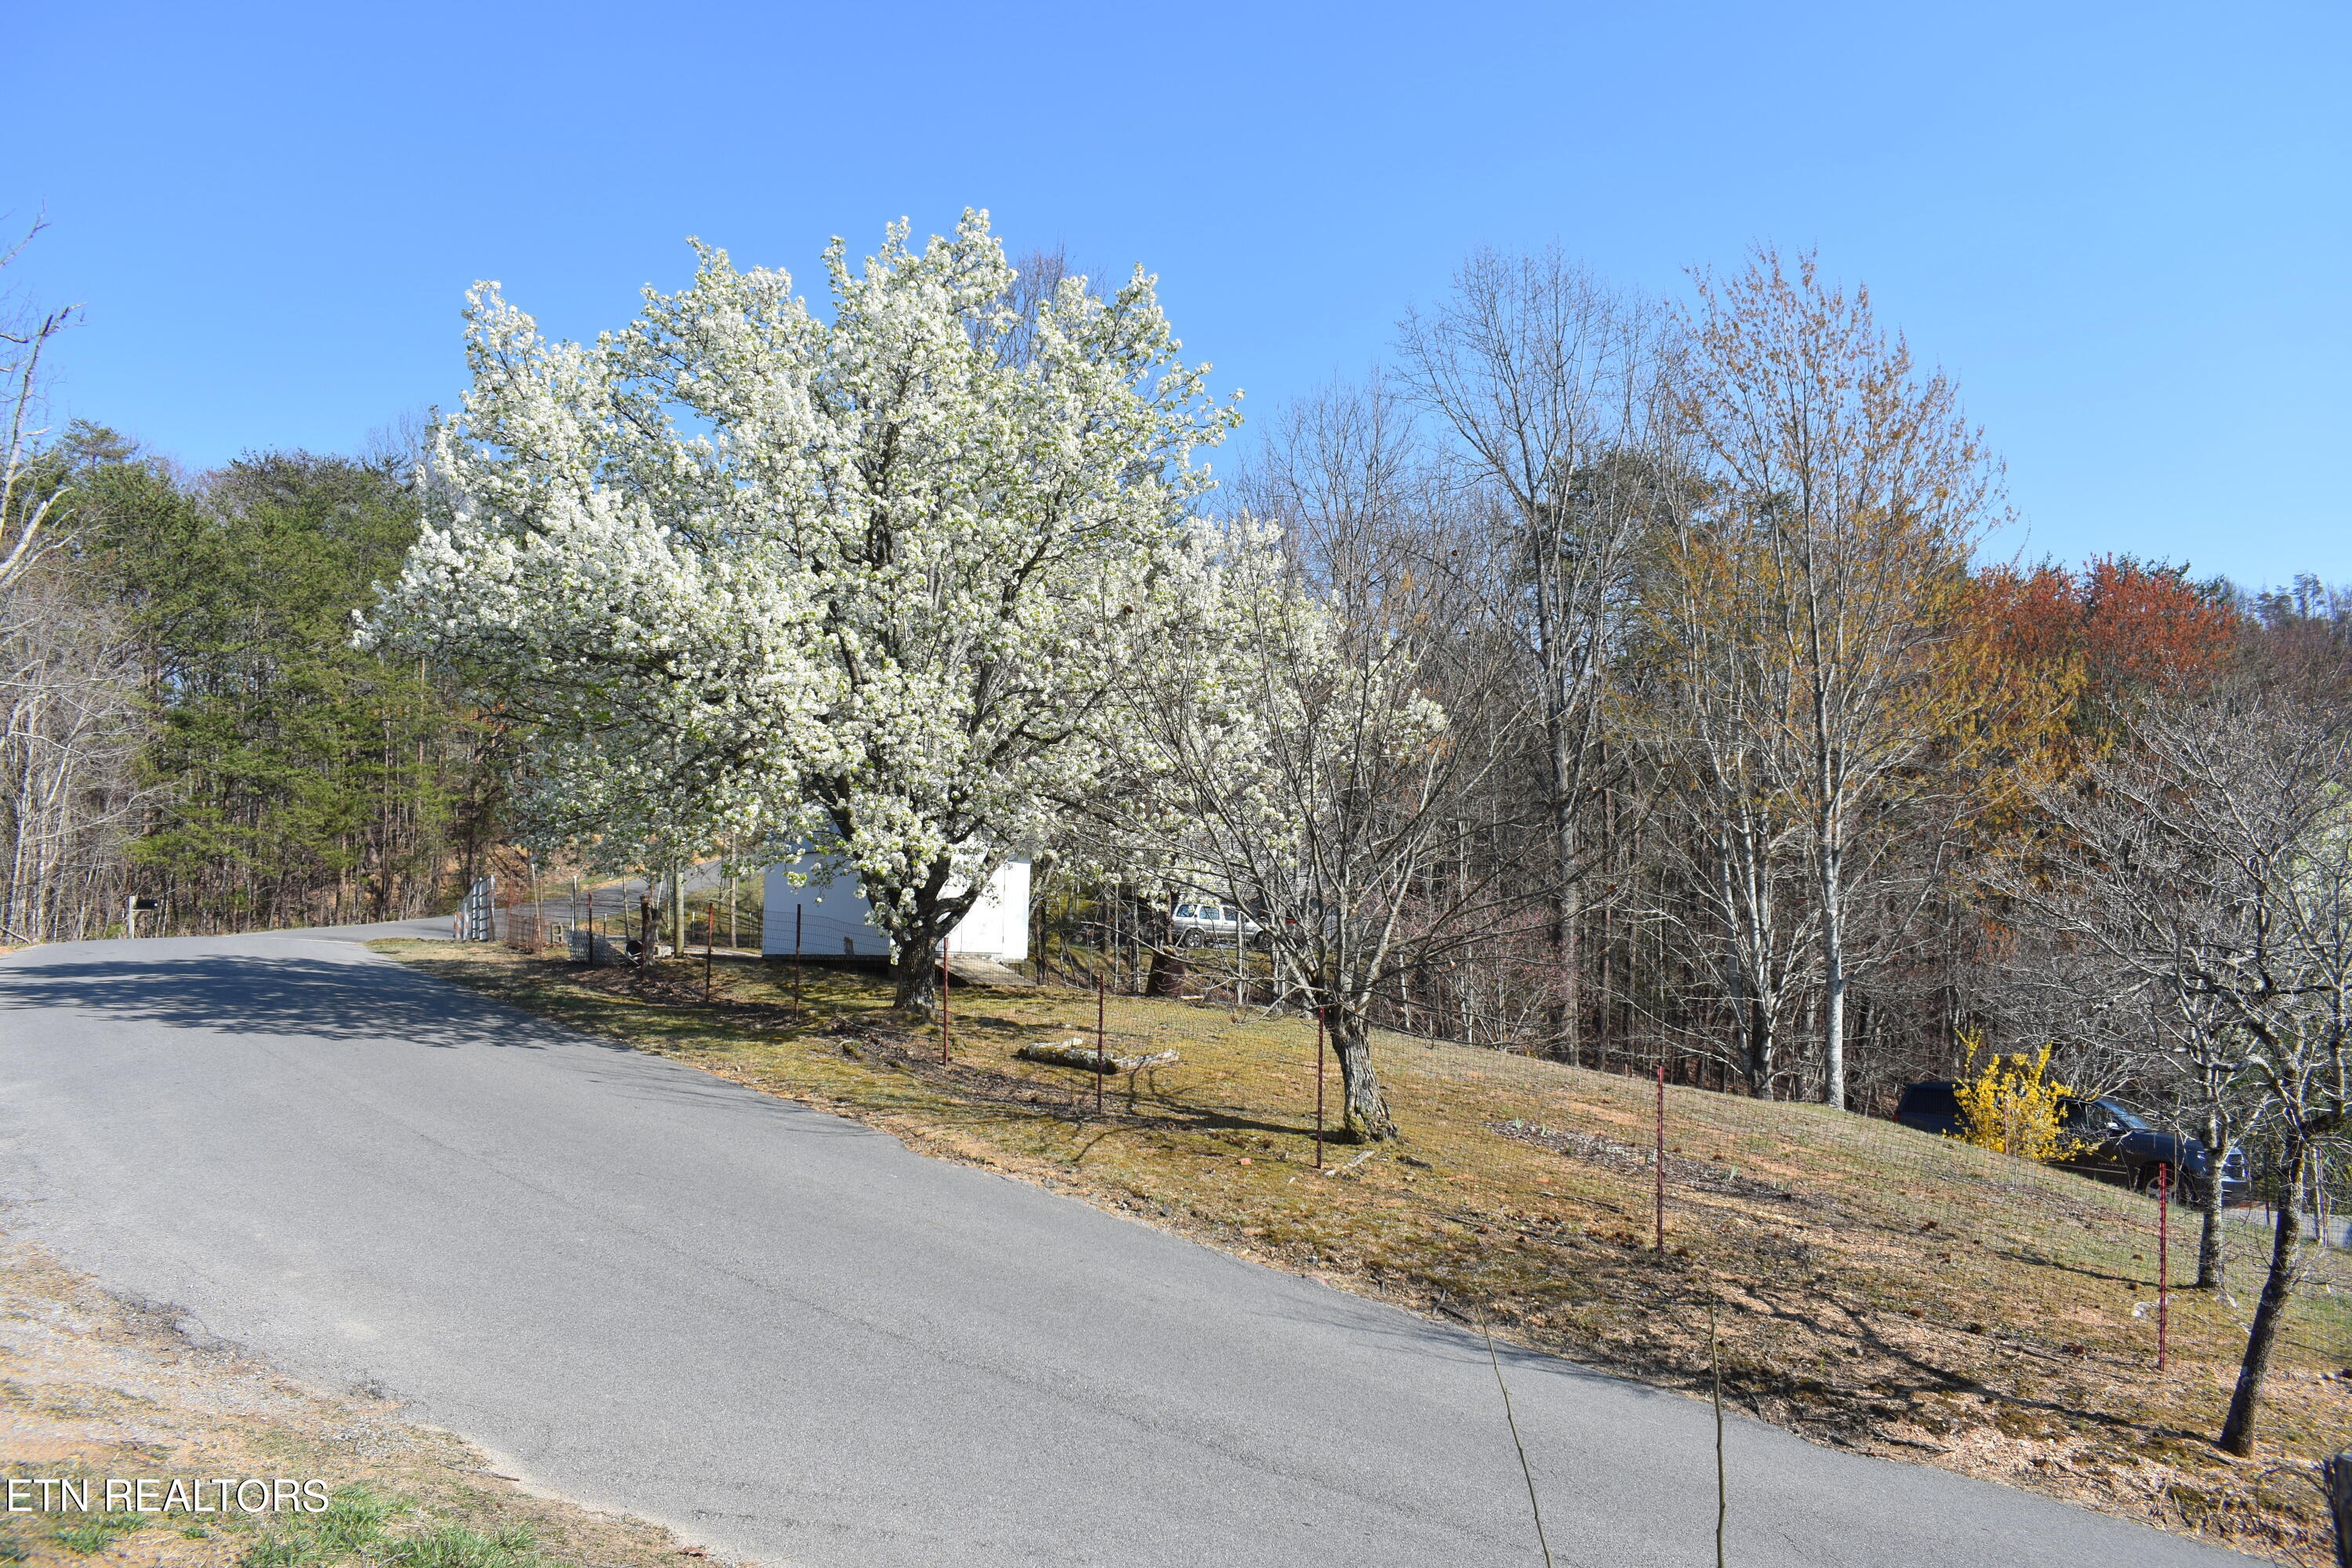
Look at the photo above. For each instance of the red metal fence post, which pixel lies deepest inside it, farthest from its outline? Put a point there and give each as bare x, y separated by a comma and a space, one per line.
1101, 1065
2163, 1258
1660, 1246
796, 959
944, 1026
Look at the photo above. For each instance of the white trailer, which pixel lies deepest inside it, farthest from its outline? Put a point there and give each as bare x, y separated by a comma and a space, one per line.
835, 922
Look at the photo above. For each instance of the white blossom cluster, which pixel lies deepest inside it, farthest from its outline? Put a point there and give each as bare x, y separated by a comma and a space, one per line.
1284, 757
868, 581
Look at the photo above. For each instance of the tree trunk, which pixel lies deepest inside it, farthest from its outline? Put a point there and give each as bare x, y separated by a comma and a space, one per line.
1169, 974
1762, 1050
677, 908
2210, 1258
921, 935
1833, 983
916, 974
1363, 1109
2245, 1404
1570, 914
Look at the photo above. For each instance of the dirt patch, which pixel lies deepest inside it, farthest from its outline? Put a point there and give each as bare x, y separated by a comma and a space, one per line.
1696, 1176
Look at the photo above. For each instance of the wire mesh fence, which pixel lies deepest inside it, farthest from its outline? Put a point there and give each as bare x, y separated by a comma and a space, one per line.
1845, 1196
1137, 952
1868, 1172
612, 920
2130, 1262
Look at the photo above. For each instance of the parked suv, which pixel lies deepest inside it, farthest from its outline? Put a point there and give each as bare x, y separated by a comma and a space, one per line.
1199, 923
2110, 1143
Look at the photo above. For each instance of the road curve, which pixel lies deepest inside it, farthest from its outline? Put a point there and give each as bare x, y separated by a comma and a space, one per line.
790, 1339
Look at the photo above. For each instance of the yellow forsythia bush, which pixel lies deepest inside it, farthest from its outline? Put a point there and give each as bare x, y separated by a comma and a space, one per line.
2012, 1104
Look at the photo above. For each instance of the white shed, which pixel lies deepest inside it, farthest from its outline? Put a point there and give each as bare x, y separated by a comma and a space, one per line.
835, 922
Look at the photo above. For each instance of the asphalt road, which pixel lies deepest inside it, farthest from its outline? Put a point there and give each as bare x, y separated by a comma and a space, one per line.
790, 1338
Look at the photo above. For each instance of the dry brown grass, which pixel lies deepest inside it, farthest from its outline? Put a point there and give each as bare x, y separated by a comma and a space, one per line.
1884, 1291
92, 1386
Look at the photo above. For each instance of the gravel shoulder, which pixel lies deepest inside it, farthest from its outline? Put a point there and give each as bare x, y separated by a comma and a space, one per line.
94, 1385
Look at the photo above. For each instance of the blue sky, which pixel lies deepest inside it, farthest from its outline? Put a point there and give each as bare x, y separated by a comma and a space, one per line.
2123, 228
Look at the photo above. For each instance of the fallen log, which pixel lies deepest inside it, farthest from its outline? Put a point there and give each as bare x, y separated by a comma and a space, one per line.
1075, 1052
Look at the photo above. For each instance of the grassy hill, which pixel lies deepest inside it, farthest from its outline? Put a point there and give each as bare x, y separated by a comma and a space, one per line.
1876, 1287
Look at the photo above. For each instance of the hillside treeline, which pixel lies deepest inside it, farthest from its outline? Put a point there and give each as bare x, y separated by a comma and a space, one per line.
1655, 896
1784, 762
186, 720
1757, 761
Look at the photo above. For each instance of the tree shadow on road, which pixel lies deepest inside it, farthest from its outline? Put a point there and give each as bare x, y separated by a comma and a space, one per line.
241, 993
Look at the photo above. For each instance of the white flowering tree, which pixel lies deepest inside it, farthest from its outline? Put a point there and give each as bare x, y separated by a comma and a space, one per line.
1300, 761
666, 684
866, 583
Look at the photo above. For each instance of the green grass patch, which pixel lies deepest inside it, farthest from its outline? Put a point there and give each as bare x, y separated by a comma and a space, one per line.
353, 1523
98, 1533
363, 1526
454, 1546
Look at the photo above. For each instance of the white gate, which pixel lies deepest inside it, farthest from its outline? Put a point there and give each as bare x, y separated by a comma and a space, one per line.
476, 922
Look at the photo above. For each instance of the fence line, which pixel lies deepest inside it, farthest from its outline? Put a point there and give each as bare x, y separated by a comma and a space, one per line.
2046, 1215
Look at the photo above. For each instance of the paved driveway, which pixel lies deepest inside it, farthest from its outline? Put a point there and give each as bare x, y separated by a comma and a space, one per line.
790, 1338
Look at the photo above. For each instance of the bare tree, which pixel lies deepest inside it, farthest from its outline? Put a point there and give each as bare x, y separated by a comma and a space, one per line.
1343, 474
1738, 833
27, 501
70, 724
1545, 378
1844, 493
2110, 1024
68, 682
2209, 862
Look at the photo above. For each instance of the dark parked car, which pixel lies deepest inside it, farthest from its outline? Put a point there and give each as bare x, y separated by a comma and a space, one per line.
1931, 1108
2111, 1142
